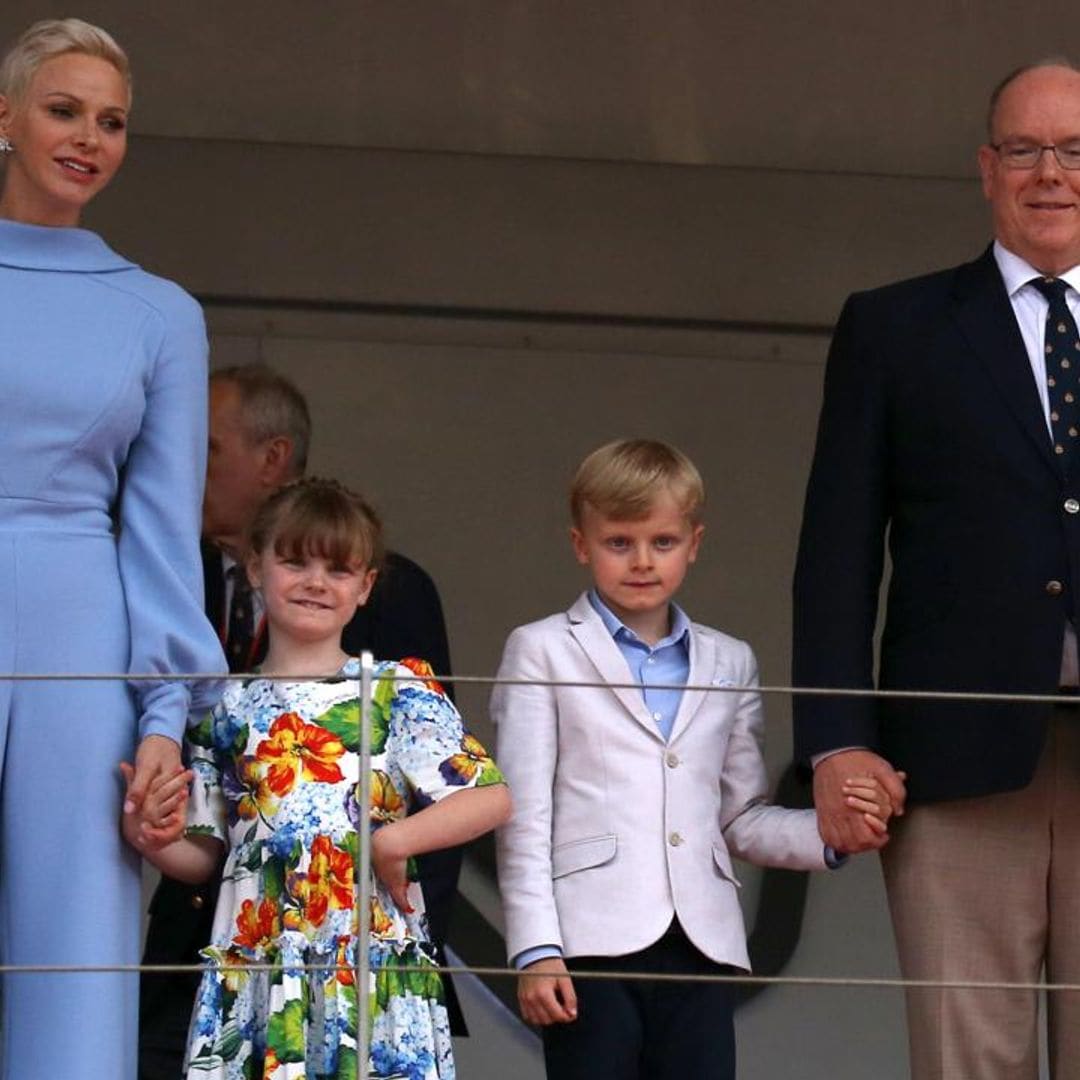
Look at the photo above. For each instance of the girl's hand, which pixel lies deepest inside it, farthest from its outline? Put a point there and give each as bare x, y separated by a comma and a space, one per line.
159, 818
389, 862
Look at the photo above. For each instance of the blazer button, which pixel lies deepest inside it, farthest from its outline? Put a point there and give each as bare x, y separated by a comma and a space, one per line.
675, 839
671, 760
1072, 506
1054, 588
198, 901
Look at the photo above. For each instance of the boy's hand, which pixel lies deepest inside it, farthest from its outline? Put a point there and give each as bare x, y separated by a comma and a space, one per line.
841, 828
546, 993
866, 795
390, 864
159, 817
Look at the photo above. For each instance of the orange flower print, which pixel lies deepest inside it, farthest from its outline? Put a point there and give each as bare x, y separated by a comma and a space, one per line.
327, 884
386, 802
423, 668
345, 973
254, 795
460, 768
381, 924
296, 748
257, 928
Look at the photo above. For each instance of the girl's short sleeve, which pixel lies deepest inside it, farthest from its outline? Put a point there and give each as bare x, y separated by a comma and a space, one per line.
428, 740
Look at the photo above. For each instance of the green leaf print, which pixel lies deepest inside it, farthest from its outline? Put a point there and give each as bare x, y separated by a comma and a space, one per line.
343, 720
201, 830
229, 1041
490, 775
202, 733
380, 713
285, 1032
240, 742
273, 876
346, 1064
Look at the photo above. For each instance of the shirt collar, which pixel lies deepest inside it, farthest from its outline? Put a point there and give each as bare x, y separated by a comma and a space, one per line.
680, 623
1017, 272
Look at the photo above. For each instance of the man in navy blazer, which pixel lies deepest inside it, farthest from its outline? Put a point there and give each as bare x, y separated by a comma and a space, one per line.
945, 428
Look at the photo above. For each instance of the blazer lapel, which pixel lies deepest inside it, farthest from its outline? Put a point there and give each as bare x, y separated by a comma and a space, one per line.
985, 316
702, 669
598, 645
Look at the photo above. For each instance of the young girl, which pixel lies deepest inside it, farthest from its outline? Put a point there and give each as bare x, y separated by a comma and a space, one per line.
276, 780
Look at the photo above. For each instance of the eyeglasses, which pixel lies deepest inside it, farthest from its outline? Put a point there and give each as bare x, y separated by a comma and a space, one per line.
1023, 155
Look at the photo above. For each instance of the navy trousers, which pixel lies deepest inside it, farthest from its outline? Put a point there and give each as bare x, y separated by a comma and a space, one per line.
629, 1029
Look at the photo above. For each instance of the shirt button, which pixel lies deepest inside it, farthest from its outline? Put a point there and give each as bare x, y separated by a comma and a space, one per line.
1054, 588
675, 839
671, 760
657, 717
652, 660
198, 901
1072, 506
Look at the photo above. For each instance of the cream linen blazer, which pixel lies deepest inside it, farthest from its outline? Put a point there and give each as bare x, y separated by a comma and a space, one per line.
615, 831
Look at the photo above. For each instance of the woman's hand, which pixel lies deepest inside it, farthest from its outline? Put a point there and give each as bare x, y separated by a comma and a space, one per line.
159, 820
158, 755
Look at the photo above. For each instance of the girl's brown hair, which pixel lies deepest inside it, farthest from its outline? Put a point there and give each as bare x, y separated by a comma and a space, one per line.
322, 518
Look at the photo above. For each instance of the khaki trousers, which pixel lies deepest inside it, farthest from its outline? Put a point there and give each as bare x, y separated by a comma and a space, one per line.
988, 889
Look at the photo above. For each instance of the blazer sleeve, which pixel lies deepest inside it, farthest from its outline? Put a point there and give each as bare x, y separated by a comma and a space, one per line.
753, 829
841, 544
526, 726
158, 546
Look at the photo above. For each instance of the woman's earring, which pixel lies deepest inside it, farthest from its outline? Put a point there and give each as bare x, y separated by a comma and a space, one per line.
5, 145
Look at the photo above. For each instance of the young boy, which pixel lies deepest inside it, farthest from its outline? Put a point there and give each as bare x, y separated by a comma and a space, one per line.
630, 801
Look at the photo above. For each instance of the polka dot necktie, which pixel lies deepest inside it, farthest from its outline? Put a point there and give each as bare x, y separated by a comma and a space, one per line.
1062, 368
241, 621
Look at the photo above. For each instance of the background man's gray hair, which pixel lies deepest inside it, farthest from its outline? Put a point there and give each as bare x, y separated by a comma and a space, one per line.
272, 406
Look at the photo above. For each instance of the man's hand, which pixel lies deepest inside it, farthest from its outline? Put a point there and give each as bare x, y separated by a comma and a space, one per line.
843, 828
546, 994
157, 755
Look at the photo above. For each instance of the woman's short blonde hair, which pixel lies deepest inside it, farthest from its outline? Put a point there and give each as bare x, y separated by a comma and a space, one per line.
55, 37
623, 479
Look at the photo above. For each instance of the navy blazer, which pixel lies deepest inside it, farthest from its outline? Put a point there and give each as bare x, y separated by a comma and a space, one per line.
932, 435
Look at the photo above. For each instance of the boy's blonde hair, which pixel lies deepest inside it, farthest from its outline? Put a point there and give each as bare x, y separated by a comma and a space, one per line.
622, 480
321, 518
50, 38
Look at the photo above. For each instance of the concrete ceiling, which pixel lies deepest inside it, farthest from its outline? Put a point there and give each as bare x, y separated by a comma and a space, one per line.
843, 86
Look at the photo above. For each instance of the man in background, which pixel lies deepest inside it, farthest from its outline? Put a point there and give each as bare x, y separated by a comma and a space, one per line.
259, 434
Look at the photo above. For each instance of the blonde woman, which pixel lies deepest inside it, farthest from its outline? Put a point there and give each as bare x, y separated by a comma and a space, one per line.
103, 381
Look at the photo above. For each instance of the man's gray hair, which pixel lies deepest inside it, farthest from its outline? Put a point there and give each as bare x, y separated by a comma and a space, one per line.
272, 406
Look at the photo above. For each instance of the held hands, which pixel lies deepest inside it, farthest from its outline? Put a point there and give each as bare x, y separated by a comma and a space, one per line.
855, 794
158, 819
546, 993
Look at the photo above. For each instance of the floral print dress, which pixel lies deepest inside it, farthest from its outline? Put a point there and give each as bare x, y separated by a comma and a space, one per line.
276, 777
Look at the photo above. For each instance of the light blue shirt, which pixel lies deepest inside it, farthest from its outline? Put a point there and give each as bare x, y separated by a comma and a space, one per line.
663, 668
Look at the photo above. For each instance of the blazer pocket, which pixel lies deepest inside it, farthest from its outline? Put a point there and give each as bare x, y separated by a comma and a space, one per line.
723, 864
582, 854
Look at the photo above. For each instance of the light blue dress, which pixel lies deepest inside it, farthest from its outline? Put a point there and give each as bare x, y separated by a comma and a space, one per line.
102, 458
